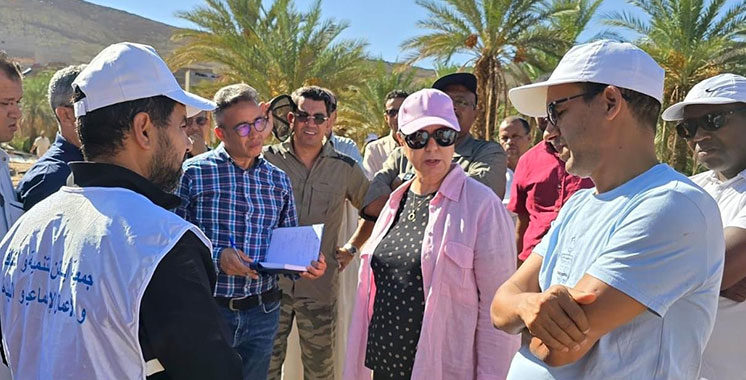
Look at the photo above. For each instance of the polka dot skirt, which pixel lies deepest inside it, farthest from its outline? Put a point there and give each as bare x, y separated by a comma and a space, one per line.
400, 302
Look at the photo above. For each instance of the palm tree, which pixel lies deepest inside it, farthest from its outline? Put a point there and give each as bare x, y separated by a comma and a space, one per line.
568, 18
692, 40
37, 115
275, 50
361, 112
495, 34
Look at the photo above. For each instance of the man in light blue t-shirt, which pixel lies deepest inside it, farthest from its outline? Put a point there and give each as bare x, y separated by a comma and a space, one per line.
625, 283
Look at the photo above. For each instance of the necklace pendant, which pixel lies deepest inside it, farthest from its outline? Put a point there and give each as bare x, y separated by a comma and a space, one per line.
412, 216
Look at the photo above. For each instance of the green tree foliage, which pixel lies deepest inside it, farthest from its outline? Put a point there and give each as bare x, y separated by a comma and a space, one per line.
692, 40
362, 110
495, 34
275, 49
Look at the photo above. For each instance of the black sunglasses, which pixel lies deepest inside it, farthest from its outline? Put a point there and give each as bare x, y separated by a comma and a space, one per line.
711, 122
259, 124
392, 112
443, 137
318, 118
552, 107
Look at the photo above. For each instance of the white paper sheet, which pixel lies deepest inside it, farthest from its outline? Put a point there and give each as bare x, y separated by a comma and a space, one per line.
293, 248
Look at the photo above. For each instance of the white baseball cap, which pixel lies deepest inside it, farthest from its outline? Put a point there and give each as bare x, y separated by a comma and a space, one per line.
720, 89
127, 71
614, 63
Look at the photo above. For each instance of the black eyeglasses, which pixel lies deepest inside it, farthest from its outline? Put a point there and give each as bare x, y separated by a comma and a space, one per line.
552, 107
318, 118
392, 112
711, 122
259, 124
443, 137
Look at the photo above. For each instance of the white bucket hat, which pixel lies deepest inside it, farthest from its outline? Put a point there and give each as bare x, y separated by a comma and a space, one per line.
720, 89
127, 71
614, 63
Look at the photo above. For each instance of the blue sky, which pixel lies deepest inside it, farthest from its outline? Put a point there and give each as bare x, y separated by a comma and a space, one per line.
383, 23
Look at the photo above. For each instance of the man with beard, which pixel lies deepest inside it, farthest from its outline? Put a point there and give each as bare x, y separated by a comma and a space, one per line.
100, 280
237, 198
712, 119
541, 186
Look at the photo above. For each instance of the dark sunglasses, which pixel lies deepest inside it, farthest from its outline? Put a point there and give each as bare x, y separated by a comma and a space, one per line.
552, 107
392, 112
443, 137
711, 122
199, 120
244, 129
318, 118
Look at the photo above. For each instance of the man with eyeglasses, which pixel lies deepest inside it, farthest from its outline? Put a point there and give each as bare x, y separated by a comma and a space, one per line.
377, 151
51, 171
196, 129
712, 119
237, 198
632, 266
323, 179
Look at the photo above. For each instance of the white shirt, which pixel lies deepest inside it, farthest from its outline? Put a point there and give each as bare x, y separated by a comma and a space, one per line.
658, 239
11, 208
347, 146
42, 145
376, 153
724, 358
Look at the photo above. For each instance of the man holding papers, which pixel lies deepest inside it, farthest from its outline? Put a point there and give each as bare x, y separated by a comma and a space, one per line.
237, 198
322, 180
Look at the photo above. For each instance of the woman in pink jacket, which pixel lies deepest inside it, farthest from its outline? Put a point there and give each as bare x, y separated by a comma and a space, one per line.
439, 250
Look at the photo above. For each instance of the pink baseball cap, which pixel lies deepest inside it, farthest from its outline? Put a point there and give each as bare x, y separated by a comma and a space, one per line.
426, 107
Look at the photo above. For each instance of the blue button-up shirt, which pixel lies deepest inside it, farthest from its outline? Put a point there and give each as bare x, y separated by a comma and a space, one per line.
224, 200
49, 173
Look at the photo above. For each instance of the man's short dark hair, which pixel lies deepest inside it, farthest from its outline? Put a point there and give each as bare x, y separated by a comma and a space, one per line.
231, 95
315, 93
10, 68
512, 119
102, 131
396, 94
645, 108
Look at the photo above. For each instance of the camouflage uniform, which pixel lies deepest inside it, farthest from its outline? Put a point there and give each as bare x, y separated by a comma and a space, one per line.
320, 195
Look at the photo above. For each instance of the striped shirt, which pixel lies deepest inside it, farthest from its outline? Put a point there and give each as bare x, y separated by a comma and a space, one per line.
224, 200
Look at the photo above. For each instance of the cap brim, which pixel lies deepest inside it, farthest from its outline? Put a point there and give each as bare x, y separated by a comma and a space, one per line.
194, 103
531, 99
467, 80
676, 111
423, 122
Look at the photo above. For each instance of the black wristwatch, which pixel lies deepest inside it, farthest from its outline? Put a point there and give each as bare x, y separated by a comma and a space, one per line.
351, 249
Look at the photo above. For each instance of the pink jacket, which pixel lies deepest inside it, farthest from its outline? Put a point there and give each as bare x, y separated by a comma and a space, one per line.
468, 251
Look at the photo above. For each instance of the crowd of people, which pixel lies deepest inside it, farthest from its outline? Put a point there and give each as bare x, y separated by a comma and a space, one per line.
129, 248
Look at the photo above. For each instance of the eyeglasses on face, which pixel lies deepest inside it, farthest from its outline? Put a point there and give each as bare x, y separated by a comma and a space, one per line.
443, 136
687, 128
392, 112
244, 129
318, 118
461, 102
552, 116
199, 120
